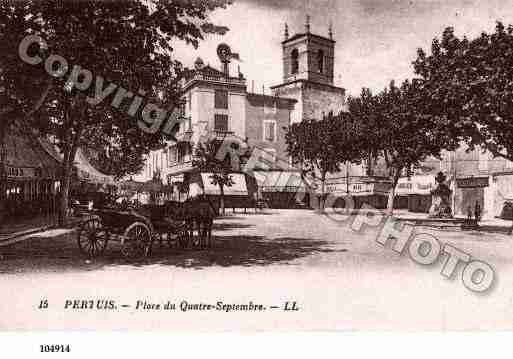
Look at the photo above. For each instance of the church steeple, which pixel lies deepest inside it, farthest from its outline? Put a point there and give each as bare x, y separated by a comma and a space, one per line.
308, 56
308, 73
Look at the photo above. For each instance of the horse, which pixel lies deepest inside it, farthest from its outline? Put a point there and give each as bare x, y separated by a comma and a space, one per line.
198, 213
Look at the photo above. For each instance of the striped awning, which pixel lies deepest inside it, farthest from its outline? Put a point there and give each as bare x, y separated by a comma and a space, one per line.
88, 173
238, 188
280, 181
26, 157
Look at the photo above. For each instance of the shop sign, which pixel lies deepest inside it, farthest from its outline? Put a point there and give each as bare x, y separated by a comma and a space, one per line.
472, 182
176, 179
19, 172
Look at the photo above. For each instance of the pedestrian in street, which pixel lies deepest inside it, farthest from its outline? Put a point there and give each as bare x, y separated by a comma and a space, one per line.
477, 212
469, 214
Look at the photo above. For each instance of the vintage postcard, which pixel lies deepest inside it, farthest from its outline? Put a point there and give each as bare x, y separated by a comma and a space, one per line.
256, 165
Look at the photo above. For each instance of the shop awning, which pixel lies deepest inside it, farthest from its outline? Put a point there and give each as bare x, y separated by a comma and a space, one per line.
280, 181
239, 188
26, 157
88, 173
418, 184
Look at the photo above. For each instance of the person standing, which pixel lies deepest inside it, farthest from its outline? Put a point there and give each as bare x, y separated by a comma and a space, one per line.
469, 213
477, 211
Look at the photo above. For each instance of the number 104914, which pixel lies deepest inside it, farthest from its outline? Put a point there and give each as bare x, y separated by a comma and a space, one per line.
54, 348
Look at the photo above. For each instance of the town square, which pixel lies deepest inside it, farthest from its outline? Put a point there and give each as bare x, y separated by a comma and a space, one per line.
250, 165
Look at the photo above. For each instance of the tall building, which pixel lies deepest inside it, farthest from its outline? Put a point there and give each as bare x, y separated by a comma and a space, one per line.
217, 104
308, 74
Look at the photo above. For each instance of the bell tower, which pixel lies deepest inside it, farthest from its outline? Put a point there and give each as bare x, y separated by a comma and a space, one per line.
308, 74
309, 57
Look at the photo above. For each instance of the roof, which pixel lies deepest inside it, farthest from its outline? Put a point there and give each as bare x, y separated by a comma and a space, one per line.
209, 70
297, 36
260, 100
206, 70
326, 86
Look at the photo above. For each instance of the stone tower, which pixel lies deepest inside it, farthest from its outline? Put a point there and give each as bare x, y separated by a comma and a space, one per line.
308, 72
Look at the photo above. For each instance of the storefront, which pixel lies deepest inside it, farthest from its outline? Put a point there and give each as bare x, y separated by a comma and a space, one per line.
414, 193
366, 191
494, 194
472, 191
282, 189
31, 176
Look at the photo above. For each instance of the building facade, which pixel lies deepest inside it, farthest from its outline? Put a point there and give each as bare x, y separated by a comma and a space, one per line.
217, 104
475, 177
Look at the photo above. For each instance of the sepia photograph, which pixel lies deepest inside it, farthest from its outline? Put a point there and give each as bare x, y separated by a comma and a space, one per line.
255, 166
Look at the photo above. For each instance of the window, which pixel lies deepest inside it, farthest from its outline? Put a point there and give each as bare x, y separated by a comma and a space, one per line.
320, 61
172, 155
221, 123
181, 153
294, 68
221, 99
269, 131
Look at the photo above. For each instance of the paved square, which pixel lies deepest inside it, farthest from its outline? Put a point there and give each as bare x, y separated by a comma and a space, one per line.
340, 279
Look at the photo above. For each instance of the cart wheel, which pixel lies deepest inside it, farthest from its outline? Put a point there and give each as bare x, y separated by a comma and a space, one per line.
136, 241
92, 238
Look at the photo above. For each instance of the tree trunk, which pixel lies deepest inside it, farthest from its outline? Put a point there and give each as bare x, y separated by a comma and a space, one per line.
221, 199
323, 192
69, 158
370, 164
3, 174
391, 193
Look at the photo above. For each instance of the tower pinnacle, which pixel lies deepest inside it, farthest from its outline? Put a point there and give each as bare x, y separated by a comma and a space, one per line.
286, 31
307, 24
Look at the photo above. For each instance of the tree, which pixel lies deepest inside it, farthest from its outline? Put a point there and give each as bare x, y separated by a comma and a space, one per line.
207, 159
119, 56
364, 108
470, 86
320, 147
401, 133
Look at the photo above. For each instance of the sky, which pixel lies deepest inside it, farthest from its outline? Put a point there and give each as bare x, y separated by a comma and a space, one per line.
377, 40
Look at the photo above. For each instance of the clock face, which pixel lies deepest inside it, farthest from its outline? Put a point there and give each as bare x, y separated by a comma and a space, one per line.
224, 52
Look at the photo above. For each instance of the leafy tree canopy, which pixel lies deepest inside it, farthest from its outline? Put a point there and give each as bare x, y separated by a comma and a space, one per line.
469, 86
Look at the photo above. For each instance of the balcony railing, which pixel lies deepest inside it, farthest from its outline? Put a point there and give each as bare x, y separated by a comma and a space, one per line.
215, 78
223, 133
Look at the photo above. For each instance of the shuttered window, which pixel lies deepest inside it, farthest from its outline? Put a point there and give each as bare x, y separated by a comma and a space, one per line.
221, 123
270, 131
221, 99
172, 155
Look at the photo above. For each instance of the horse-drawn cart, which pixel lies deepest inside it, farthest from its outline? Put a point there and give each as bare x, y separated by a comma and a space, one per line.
180, 225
